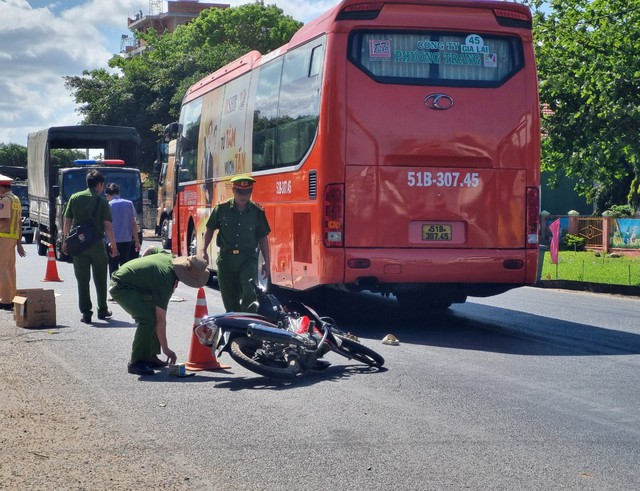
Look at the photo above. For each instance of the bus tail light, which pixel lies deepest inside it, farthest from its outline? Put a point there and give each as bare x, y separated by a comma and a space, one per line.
333, 216
533, 217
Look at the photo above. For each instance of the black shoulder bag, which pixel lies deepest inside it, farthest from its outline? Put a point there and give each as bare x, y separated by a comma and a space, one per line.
82, 236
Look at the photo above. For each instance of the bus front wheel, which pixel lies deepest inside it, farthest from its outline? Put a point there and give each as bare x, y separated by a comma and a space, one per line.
164, 234
192, 244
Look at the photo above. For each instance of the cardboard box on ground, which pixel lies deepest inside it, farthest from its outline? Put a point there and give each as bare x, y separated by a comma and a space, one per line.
34, 307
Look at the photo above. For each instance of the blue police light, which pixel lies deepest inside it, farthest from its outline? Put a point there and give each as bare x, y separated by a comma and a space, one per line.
88, 162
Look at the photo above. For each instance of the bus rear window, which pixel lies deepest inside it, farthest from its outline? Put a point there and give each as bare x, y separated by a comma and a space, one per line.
436, 58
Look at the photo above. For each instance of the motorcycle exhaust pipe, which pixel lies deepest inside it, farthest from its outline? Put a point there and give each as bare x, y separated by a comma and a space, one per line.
280, 336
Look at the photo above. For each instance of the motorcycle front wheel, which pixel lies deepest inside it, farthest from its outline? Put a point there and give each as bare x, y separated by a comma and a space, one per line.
248, 353
354, 350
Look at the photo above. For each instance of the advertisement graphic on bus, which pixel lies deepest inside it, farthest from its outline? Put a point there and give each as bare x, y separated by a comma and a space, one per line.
395, 145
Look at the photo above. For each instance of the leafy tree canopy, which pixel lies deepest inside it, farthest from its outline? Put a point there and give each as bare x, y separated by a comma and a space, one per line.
589, 72
62, 157
13, 154
147, 90
16, 155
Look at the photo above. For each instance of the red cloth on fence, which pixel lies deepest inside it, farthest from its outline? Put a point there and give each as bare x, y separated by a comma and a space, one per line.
555, 241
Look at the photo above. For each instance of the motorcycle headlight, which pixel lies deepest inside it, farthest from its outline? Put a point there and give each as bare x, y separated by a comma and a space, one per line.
206, 331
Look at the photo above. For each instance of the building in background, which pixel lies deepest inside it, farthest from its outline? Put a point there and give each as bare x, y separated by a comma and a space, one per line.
179, 12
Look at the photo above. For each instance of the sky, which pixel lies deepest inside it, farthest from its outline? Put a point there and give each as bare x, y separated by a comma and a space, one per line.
41, 41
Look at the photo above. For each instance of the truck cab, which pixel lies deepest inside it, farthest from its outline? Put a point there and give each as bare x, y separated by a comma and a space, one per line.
73, 179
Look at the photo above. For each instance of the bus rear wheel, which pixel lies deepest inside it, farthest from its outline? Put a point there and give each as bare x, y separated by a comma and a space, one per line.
263, 281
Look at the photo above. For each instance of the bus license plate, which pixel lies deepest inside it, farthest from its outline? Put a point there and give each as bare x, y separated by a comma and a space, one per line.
436, 231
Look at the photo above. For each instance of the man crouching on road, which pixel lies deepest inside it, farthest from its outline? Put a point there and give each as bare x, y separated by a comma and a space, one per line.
143, 287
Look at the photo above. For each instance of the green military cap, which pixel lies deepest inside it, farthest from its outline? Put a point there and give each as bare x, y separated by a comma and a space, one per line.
242, 181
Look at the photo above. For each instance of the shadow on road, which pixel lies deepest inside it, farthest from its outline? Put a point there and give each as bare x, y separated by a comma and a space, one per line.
467, 327
225, 379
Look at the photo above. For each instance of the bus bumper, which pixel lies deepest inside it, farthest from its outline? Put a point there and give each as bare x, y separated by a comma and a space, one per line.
393, 266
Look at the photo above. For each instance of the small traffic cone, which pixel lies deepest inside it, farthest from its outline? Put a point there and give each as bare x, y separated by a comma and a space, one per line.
200, 356
52, 269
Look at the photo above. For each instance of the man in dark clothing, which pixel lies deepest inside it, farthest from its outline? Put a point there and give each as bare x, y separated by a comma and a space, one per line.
143, 288
82, 207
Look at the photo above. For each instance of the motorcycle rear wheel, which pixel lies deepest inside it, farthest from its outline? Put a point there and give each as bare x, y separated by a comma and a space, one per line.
354, 350
245, 352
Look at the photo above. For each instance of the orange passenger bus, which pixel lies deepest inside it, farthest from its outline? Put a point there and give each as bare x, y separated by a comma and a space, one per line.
395, 144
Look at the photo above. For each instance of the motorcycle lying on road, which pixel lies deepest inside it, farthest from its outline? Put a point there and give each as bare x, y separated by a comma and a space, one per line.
280, 341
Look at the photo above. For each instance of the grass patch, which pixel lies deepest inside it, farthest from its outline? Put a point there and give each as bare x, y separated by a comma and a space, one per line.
587, 266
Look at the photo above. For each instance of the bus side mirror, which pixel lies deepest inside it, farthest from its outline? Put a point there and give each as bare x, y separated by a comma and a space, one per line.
151, 195
55, 191
170, 130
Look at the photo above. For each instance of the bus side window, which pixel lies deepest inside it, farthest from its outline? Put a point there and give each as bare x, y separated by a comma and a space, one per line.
299, 102
286, 108
265, 115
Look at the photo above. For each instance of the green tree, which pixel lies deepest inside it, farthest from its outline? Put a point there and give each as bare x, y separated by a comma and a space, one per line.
146, 90
13, 154
589, 72
60, 157
16, 155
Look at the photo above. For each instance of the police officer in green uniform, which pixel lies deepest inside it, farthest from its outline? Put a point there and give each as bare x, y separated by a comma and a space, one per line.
143, 288
242, 228
82, 207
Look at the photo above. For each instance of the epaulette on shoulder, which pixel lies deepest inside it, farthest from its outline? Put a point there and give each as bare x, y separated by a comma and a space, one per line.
259, 207
224, 202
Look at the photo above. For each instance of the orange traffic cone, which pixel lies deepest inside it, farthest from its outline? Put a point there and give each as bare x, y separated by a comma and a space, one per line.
52, 269
201, 357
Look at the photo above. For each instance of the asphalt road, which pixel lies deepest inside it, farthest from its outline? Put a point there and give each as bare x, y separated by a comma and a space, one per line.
533, 389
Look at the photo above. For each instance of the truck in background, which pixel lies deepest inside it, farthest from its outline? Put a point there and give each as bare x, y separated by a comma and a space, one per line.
50, 187
19, 188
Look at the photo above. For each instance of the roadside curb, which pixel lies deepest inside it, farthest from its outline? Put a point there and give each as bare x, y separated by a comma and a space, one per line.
633, 291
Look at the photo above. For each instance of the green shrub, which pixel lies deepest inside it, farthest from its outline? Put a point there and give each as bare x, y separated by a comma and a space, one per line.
572, 242
621, 211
